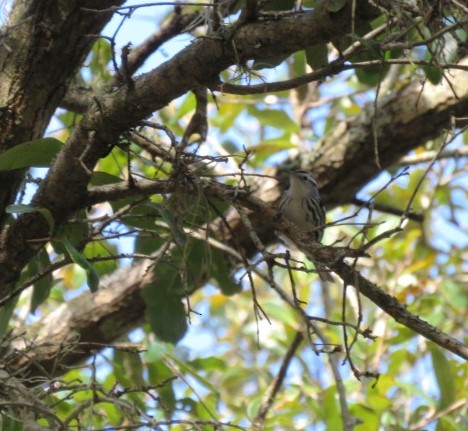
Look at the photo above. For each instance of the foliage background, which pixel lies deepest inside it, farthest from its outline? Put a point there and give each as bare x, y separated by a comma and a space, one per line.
141, 310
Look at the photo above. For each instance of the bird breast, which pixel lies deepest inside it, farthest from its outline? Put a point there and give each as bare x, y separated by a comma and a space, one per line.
296, 212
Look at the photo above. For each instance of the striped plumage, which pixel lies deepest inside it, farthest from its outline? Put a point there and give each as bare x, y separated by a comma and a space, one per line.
301, 205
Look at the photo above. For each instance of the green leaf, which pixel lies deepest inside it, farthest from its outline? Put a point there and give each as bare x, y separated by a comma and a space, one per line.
101, 249
92, 276
100, 58
187, 369
317, 56
131, 366
184, 271
158, 371
41, 289
73, 232
371, 76
165, 312
6, 312
253, 407
336, 5
279, 312
177, 232
220, 272
445, 377
23, 209
210, 363
274, 118
446, 48
188, 105
227, 114
433, 73
369, 420
147, 244
442, 50
8, 423
99, 178
299, 63
270, 147
331, 413
37, 153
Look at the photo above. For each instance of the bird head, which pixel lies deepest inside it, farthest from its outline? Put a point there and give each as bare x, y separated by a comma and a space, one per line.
302, 182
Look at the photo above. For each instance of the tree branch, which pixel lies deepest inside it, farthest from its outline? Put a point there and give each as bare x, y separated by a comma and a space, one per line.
118, 305
41, 34
389, 209
64, 189
259, 420
427, 156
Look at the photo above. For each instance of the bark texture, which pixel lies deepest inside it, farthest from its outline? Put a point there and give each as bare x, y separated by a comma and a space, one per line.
42, 46
91, 319
65, 187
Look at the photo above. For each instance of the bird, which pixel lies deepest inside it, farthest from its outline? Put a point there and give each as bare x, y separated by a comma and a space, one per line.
301, 205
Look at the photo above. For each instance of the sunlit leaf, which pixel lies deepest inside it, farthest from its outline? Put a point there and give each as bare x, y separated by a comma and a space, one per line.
331, 413
445, 377
102, 249
8, 422
188, 369
268, 148
278, 312
100, 178
42, 287
72, 232
299, 63
91, 274
228, 112
274, 118
253, 407
100, 58
188, 105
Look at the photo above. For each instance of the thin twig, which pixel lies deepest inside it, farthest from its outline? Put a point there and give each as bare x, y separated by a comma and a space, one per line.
272, 392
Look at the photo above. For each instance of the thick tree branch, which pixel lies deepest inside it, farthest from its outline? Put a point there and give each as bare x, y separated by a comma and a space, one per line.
396, 104
78, 100
82, 325
398, 311
345, 162
42, 43
427, 156
64, 189
118, 306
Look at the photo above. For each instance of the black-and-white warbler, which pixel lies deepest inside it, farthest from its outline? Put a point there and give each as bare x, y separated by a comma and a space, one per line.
301, 205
